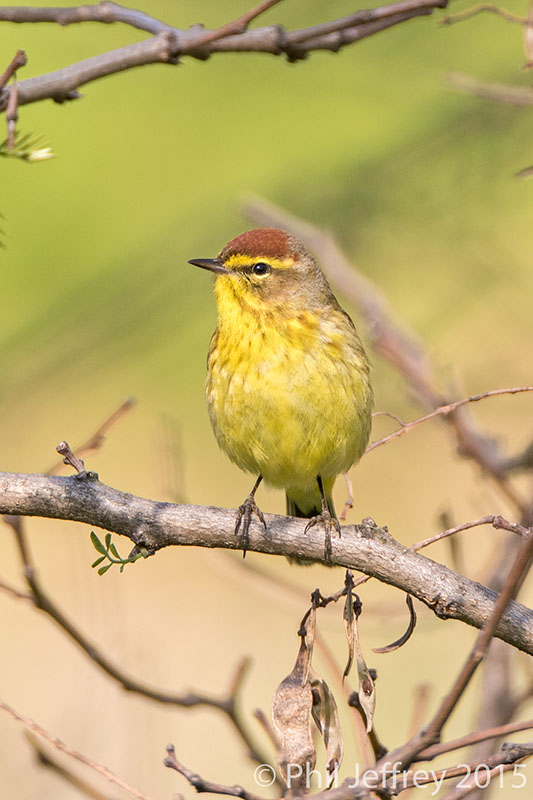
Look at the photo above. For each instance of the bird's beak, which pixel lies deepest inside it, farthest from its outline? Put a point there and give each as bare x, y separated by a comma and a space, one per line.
212, 264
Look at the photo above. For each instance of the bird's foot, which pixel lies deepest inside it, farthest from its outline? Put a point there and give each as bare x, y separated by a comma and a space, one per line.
330, 524
244, 518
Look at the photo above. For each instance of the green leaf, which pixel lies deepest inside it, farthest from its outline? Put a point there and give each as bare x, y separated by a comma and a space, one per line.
98, 561
103, 570
107, 540
97, 544
113, 550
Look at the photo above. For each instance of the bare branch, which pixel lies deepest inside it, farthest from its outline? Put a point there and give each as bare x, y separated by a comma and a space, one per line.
500, 92
430, 733
32, 726
365, 547
105, 12
168, 44
200, 784
473, 738
444, 411
238, 25
363, 17
228, 705
45, 759
510, 753
18, 60
483, 7
97, 439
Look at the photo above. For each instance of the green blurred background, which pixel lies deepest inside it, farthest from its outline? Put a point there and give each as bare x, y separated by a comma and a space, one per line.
98, 303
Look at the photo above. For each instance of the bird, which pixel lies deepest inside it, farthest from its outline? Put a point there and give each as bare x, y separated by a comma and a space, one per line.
288, 390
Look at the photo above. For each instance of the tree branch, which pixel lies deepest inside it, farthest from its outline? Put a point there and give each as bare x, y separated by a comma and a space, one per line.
32, 726
365, 547
168, 43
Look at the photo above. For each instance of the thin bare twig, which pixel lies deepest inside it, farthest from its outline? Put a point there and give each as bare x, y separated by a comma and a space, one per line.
228, 705
500, 92
18, 60
200, 784
12, 116
168, 43
479, 9
14, 592
32, 726
349, 500
238, 25
473, 738
97, 439
431, 732
45, 759
510, 753
444, 410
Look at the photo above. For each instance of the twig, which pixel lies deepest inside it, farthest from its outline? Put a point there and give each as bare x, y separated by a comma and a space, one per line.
510, 753
473, 738
349, 500
18, 60
483, 7
45, 759
363, 17
458, 792
97, 439
200, 784
365, 547
168, 43
431, 732
76, 463
238, 25
5, 587
500, 92
32, 726
12, 116
228, 705
495, 520
444, 410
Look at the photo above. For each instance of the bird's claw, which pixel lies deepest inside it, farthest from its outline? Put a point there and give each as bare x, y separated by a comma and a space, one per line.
244, 518
330, 523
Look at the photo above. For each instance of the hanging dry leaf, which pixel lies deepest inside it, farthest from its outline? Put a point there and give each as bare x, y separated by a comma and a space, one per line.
326, 717
291, 715
367, 689
351, 609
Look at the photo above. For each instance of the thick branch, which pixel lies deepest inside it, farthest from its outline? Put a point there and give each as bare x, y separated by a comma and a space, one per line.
365, 547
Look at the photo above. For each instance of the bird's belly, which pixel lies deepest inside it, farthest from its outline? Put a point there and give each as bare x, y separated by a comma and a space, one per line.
289, 414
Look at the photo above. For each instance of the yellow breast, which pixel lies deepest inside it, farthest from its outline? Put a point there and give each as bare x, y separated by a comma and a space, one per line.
289, 394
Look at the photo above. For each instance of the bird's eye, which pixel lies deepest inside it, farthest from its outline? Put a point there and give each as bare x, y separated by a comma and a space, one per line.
261, 268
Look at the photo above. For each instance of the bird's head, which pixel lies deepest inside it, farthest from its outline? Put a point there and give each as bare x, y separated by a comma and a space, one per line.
266, 267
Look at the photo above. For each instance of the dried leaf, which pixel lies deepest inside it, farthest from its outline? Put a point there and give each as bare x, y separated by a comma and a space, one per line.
367, 689
326, 717
310, 628
405, 636
291, 714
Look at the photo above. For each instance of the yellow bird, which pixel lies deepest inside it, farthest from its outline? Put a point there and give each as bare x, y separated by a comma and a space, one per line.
288, 387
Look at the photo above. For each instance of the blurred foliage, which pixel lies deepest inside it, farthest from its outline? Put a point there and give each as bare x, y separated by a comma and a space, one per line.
99, 302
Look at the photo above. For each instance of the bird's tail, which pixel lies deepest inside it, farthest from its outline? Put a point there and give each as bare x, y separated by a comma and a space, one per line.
306, 504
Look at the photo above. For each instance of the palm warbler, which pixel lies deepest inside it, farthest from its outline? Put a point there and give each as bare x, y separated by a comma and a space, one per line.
288, 385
